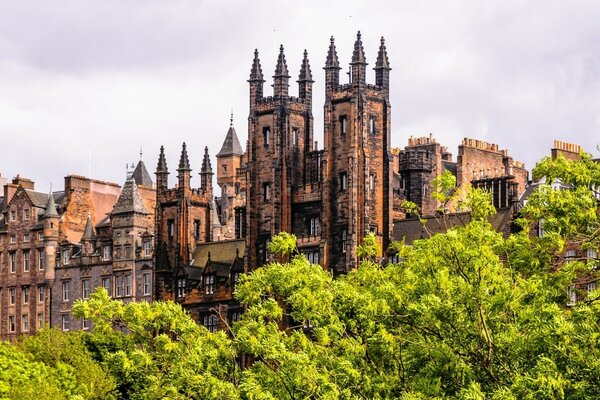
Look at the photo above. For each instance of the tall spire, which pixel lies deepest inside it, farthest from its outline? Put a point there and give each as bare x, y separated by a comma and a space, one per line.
359, 62
332, 58
305, 73
281, 70
382, 67
332, 69
162, 171
206, 174
162, 162
281, 77
184, 162
256, 74
206, 166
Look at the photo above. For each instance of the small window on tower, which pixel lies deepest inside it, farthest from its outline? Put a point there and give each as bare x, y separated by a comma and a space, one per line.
224, 168
343, 181
267, 136
171, 228
343, 124
371, 125
197, 229
295, 135
267, 191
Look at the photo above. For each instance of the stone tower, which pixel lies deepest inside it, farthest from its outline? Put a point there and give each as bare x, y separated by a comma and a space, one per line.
280, 135
357, 196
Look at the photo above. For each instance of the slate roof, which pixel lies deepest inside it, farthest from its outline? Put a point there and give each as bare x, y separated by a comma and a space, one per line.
129, 200
231, 145
88, 232
141, 175
220, 252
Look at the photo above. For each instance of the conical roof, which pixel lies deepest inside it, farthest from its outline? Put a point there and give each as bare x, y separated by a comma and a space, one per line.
130, 200
332, 58
358, 55
206, 167
184, 162
281, 70
50, 211
141, 175
256, 71
382, 57
88, 232
231, 145
305, 72
162, 162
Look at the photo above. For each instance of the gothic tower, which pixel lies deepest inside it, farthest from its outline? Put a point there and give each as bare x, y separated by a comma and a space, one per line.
357, 196
280, 137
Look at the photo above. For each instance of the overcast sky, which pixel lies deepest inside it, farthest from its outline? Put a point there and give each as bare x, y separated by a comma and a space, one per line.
106, 77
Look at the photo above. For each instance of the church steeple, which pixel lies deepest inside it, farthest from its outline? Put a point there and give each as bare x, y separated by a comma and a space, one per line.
382, 67
305, 80
359, 62
281, 77
332, 68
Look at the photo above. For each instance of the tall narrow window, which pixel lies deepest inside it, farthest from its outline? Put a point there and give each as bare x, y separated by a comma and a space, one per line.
13, 262
197, 229
372, 182
85, 289
26, 215
65, 256
12, 295
344, 240
106, 253
295, 136
40, 320
41, 259
171, 228
25, 291
315, 227
11, 323
26, 260
210, 322
66, 290
65, 320
41, 294
267, 136
267, 191
147, 280
128, 285
343, 181
119, 285
371, 125
25, 322
107, 284
343, 124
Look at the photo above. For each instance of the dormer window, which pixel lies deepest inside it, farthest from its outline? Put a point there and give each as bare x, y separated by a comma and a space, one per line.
26, 214
209, 284
65, 256
13, 215
147, 248
181, 287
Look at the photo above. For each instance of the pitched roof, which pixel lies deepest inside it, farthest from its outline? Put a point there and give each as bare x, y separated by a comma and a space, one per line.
88, 232
231, 145
223, 252
129, 200
141, 175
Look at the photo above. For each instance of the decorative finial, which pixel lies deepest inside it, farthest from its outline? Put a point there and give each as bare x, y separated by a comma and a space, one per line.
231, 119
141, 153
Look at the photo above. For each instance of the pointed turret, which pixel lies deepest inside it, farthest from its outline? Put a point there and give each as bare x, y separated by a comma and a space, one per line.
206, 173
162, 172
130, 200
183, 171
256, 80
305, 80
358, 63
50, 211
332, 68
88, 233
231, 144
382, 67
141, 175
281, 77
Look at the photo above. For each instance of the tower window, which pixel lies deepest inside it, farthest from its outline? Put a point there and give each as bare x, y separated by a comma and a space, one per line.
343, 181
344, 240
343, 124
209, 284
371, 125
197, 229
372, 182
267, 191
225, 168
295, 134
267, 136
171, 228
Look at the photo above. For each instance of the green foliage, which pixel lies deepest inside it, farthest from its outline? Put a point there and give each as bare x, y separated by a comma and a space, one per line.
467, 314
370, 247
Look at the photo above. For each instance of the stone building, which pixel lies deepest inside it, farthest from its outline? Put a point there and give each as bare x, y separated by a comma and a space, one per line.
115, 253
